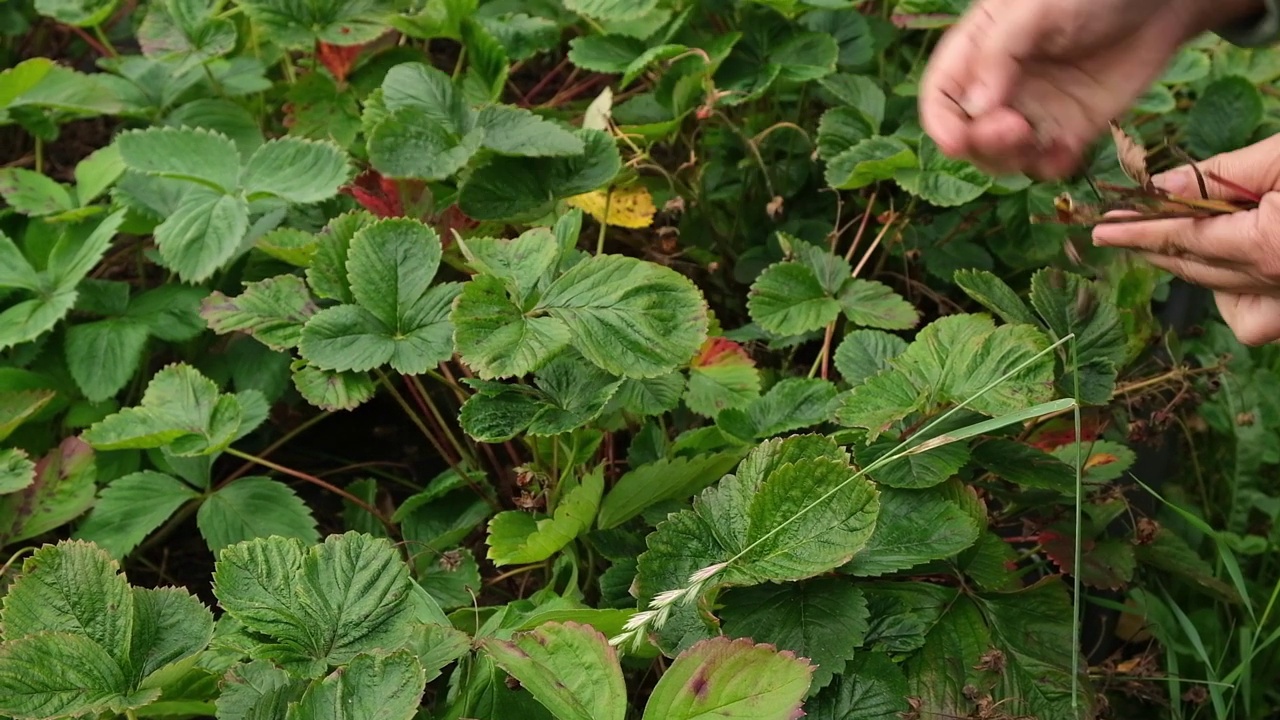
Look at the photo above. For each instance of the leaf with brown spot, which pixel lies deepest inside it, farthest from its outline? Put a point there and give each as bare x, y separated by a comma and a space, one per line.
728, 679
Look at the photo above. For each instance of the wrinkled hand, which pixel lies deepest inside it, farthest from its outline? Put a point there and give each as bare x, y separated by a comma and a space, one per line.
1026, 85
1236, 255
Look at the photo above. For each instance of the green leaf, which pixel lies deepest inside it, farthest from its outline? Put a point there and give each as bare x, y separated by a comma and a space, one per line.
903, 613
327, 274
273, 311
990, 563
648, 397
872, 687
254, 507
863, 353
940, 180
169, 625
371, 687
330, 390
296, 170
75, 588
185, 31
131, 507
570, 668
869, 161
917, 470
515, 537
16, 407
180, 409
721, 377
103, 356
408, 328
510, 188
795, 509
823, 620
666, 479
32, 193
453, 578
1024, 465
730, 679
202, 234
605, 53
953, 647
15, 270
522, 264
495, 338
257, 691
611, 10
300, 26
17, 472
57, 674
788, 299
916, 526
330, 603
289, 245
567, 394
509, 130
995, 295
1224, 117
791, 404
195, 155
430, 93
170, 312
72, 258
1070, 303
409, 145
81, 13
805, 56
841, 128
632, 318
873, 304
63, 489
30, 319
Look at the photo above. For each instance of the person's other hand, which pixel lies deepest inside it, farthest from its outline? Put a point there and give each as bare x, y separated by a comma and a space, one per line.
1235, 255
1026, 85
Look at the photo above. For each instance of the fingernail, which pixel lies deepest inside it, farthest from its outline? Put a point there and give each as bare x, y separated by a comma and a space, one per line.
977, 101
1174, 182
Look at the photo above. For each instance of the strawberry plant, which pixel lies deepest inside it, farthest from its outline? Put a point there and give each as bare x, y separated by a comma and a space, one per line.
594, 359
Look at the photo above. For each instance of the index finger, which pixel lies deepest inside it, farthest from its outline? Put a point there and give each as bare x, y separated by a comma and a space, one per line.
945, 80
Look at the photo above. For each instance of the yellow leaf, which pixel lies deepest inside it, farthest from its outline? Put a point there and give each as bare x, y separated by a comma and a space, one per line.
628, 207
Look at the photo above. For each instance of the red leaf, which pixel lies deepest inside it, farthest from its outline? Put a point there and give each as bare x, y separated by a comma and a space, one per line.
721, 351
338, 58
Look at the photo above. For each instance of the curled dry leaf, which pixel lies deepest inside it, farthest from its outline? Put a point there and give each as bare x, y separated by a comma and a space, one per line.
1132, 156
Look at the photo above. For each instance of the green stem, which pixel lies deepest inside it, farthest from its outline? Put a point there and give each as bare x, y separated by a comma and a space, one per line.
106, 42
463, 452
39, 155
284, 440
1079, 522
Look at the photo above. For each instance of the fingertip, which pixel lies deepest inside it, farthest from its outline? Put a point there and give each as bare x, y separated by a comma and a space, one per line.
1002, 133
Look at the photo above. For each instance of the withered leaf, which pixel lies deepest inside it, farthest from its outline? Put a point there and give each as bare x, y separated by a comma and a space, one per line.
1132, 156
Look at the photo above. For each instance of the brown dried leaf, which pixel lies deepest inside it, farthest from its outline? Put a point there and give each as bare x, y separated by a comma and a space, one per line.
1132, 156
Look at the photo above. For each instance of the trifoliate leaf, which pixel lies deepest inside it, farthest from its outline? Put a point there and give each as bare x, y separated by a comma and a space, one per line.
863, 353
338, 23
940, 180
103, 356
430, 92
328, 603
722, 376
567, 394
371, 687
273, 311
254, 507
1070, 303
169, 625
296, 170
823, 620
630, 317
872, 304
131, 507
16, 470
765, 519
408, 329
791, 404
202, 233
666, 479
199, 156
788, 299
63, 489
914, 527
509, 188
495, 338
516, 538
730, 679
570, 668
329, 390
57, 674
872, 687
180, 409
189, 33
509, 130
75, 588
16, 407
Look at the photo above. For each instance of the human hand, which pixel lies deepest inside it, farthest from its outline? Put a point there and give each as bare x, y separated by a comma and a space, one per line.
1236, 255
1026, 85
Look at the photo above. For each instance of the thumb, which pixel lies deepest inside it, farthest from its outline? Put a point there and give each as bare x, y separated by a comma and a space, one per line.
1252, 168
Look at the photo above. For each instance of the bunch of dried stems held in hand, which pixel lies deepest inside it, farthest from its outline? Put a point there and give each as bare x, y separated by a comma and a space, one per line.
1145, 202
